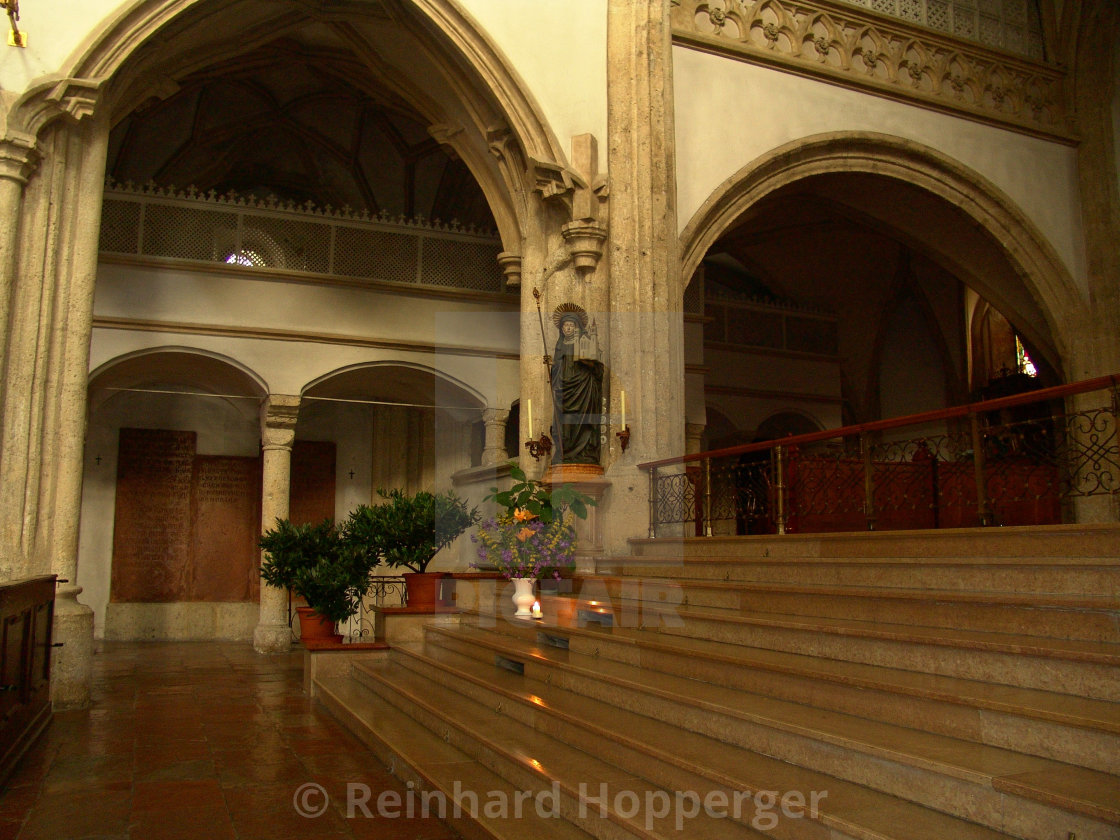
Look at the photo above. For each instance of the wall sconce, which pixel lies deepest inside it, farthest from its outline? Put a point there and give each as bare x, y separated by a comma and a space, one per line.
537, 447
15, 37
623, 435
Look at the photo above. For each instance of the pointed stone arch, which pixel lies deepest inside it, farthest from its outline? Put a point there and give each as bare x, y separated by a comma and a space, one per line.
1040, 291
500, 117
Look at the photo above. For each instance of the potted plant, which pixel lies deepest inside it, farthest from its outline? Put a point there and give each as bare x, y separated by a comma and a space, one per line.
319, 564
533, 536
407, 531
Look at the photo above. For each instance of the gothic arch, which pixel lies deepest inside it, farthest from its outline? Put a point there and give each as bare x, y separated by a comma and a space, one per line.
507, 123
1046, 285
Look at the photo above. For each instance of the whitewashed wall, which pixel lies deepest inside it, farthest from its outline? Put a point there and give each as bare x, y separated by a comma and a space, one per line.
730, 113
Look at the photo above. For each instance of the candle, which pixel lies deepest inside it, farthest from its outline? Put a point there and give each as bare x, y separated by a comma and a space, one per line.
624, 409
529, 404
536, 609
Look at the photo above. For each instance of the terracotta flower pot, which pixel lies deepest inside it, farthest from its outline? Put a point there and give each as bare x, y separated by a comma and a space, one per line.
315, 626
423, 589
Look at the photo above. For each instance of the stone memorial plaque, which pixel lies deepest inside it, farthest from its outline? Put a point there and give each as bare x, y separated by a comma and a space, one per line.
226, 525
152, 528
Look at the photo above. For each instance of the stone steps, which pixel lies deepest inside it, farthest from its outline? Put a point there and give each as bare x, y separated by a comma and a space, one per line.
428, 764
675, 759
1052, 725
1072, 544
1088, 669
529, 760
958, 684
1081, 616
973, 781
977, 576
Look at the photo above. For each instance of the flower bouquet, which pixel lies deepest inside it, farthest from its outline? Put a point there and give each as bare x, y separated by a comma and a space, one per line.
535, 536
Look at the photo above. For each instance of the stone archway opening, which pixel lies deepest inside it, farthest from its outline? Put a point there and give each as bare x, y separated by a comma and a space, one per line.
171, 498
849, 295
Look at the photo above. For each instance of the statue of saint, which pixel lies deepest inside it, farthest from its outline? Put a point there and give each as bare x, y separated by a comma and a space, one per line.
577, 388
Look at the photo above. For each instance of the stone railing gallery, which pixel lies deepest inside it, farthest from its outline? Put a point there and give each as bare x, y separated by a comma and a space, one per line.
911, 61
155, 223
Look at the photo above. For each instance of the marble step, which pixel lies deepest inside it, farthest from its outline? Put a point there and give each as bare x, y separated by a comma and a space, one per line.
1050, 542
1083, 668
533, 761
1085, 617
430, 765
676, 759
971, 781
1098, 577
1051, 725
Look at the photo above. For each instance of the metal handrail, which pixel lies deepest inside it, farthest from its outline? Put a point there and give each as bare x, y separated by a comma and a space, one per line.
954, 412
1033, 469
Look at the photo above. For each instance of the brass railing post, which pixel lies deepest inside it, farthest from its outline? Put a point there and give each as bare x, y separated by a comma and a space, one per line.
780, 486
868, 481
983, 513
707, 497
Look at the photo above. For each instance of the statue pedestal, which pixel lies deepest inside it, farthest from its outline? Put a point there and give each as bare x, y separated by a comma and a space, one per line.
587, 479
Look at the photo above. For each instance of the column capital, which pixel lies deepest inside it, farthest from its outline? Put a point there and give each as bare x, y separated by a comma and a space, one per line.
279, 415
18, 157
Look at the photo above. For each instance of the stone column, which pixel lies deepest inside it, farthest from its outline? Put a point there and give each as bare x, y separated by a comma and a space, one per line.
18, 158
66, 411
693, 435
494, 445
278, 431
646, 357
48, 264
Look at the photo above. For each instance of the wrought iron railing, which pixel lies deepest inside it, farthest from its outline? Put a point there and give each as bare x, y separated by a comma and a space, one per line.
384, 591
1043, 457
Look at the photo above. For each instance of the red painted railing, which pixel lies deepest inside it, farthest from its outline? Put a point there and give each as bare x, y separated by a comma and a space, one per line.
1031, 458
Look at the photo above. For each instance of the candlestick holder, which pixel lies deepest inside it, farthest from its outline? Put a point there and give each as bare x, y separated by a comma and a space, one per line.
540, 447
624, 437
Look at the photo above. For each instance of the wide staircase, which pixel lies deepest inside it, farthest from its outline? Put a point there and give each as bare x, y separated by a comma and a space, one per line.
953, 685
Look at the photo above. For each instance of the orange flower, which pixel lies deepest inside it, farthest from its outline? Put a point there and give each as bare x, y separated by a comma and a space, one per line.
521, 515
524, 534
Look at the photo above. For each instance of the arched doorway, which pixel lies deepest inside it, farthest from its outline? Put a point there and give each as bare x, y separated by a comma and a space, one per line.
843, 270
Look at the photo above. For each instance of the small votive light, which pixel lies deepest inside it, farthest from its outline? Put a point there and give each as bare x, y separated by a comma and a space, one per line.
537, 609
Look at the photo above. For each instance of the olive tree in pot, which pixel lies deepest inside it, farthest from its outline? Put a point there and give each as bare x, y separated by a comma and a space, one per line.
321, 565
407, 531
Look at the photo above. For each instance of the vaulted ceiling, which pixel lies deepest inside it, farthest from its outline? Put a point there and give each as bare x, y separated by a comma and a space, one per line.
299, 117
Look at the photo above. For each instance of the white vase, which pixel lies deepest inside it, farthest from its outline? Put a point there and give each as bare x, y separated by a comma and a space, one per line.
523, 596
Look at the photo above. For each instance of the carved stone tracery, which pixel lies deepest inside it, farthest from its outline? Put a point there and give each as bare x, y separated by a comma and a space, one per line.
841, 43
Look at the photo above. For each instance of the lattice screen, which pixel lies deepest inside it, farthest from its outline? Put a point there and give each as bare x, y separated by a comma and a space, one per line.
1011, 25
251, 233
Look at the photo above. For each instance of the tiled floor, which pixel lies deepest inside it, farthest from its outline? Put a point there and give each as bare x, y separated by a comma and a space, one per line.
204, 741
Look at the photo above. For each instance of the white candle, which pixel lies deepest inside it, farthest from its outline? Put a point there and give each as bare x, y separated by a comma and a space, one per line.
624, 409
536, 609
529, 404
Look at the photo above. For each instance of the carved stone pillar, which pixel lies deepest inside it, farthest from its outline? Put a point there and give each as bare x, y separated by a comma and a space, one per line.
278, 431
494, 447
18, 158
647, 325
48, 263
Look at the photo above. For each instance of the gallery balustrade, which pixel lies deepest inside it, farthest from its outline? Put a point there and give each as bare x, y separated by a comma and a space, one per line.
1045, 457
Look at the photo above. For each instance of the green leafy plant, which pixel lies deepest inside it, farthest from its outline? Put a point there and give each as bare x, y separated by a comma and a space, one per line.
407, 531
526, 494
319, 563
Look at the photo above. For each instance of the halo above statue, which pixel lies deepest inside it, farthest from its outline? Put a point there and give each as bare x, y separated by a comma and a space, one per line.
570, 310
